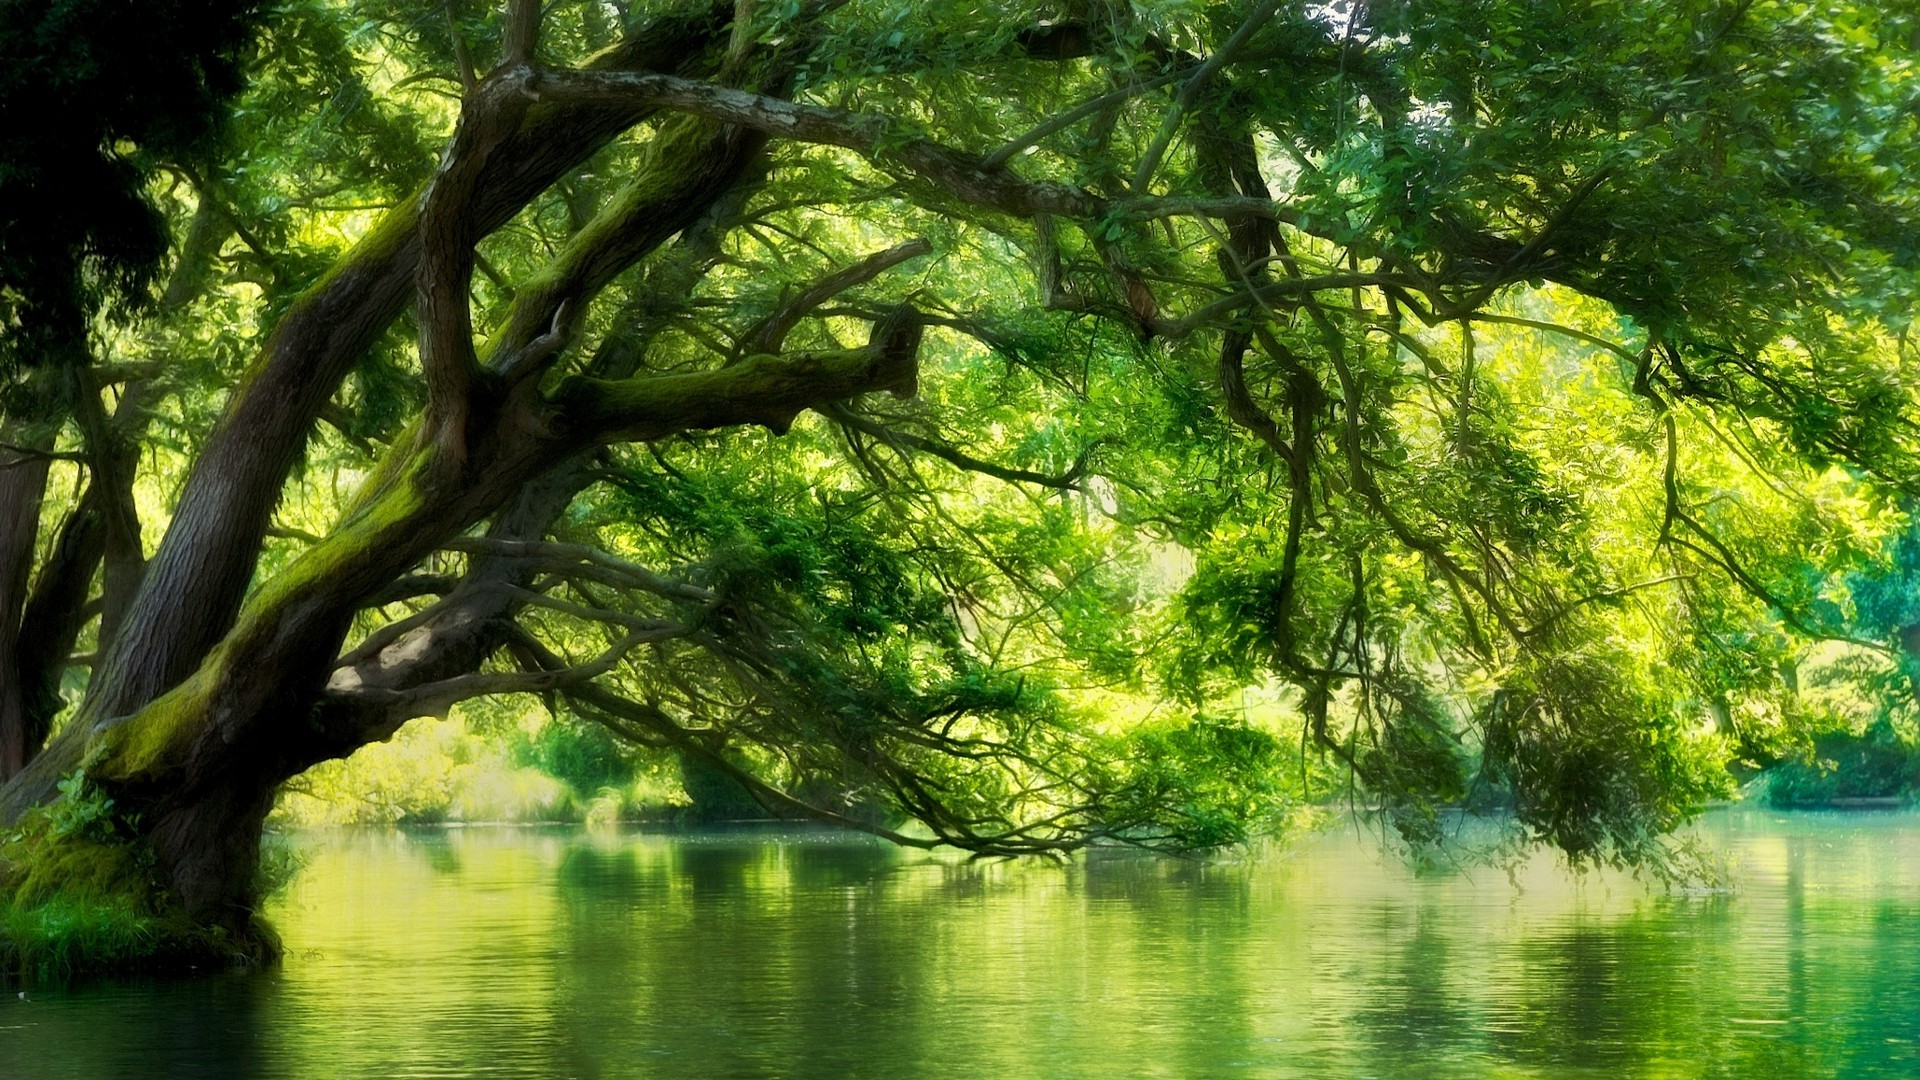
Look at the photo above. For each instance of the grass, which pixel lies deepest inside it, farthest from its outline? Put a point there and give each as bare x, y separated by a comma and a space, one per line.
62, 937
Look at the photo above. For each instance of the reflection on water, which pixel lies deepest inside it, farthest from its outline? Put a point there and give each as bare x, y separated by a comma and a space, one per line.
559, 953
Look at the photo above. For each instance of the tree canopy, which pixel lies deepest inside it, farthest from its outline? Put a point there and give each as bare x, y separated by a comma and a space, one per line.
1006, 426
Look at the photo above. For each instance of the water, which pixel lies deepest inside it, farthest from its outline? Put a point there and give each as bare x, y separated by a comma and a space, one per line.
558, 953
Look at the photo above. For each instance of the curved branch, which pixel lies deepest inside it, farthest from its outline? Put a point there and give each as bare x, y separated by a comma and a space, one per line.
881, 139
563, 557
448, 230
434, 698
1182, 101
771, 333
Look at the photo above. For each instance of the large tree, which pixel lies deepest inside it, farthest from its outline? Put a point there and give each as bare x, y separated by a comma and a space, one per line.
1280, 285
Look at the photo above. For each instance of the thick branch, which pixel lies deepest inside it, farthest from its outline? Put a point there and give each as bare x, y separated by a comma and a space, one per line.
414, 585
688, 164
766, 390
878, 138
448, 231
563, 557
434, 698
1067, 481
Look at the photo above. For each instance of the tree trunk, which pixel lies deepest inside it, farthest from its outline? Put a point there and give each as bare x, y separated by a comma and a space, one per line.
192, 774
54, 617
23, 487
23, 483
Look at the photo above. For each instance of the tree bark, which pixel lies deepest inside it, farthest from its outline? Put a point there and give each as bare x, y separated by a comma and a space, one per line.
102, 534
55, 614
23, 484
24, 463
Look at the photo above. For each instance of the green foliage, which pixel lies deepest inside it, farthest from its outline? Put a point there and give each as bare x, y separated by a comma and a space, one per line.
1475, 592
1877, 763
714, 795
1597, 766
1197, 785
75, 848
432, 773
1413, 760
585, 757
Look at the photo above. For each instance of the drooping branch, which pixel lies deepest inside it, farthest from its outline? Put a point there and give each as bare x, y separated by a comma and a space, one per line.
1282, 291
959, 459
644, 723
434, 698
1092, 107
885, 140
1190, 90
588, 562
890, 143
413, 586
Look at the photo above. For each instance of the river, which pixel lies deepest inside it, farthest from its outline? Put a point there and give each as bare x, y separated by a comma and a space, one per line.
504, 952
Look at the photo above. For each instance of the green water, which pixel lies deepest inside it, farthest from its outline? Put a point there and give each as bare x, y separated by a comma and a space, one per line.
513, 952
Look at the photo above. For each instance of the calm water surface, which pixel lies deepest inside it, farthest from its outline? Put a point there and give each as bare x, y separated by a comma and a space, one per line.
514, 952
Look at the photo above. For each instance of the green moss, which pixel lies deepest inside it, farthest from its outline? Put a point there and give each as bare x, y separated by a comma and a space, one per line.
144, 742
72, 847
386, 521
78, 894
66, 937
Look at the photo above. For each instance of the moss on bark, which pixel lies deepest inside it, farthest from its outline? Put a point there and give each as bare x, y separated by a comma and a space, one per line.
80, 892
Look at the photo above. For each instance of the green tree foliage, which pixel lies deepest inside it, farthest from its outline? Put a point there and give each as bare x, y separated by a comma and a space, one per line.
1484, 404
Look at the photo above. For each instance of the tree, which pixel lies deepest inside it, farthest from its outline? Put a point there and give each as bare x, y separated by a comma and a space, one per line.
1265, 282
